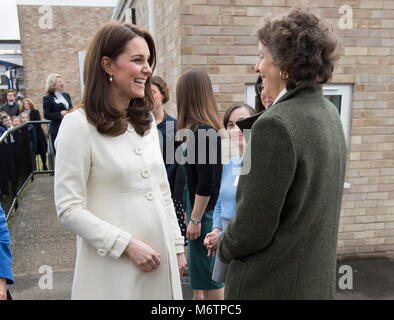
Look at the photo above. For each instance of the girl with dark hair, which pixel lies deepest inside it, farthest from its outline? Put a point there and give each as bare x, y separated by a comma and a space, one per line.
198, 118
111, 186
225, 206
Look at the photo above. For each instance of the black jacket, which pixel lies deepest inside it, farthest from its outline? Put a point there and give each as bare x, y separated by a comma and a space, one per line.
41, 139
203, 177
52, 111
12, 110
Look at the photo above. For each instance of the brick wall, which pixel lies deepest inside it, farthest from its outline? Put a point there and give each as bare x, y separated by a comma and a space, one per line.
56, 50
168, 43
367, 222
218, 36
141, 13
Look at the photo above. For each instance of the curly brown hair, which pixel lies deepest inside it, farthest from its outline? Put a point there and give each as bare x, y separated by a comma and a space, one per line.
301, 44
111, 40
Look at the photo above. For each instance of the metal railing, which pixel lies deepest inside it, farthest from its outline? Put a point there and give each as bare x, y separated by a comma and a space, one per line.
17, 161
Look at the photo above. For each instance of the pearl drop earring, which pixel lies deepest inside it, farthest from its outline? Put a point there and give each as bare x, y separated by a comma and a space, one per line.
110, 79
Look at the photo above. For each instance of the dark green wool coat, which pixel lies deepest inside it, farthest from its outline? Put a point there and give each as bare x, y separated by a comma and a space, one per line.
282, 241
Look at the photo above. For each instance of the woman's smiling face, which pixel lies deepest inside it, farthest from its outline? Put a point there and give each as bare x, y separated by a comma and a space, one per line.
131, 69
268, 71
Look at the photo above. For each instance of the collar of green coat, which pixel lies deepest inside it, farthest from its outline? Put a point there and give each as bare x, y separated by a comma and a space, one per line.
248, 122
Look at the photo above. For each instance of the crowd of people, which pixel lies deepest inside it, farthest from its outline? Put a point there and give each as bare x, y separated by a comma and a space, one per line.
56, 104
136, 185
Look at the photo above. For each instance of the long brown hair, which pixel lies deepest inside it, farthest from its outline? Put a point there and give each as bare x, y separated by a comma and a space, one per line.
110, 41
195, 101
29, 102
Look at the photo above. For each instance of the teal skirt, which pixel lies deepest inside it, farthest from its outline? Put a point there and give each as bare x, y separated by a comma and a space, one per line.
199, 265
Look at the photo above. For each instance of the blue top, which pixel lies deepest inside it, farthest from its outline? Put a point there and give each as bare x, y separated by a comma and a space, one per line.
225, 206
5, 253
167, 129
32, 137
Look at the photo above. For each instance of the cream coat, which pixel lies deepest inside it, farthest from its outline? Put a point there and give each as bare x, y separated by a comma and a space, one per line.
108, 190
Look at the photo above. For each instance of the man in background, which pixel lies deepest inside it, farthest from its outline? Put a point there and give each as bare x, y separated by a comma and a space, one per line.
11, 106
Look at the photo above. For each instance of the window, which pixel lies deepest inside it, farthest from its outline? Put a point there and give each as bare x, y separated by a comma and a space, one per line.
250, 94
341, 96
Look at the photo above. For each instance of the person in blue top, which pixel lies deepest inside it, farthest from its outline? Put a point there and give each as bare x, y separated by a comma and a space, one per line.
165, 123
225, 206
167, 129
6, 276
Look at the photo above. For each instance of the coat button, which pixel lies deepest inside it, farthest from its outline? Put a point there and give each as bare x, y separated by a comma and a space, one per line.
138, 150
145, 173
149, 195
102, 252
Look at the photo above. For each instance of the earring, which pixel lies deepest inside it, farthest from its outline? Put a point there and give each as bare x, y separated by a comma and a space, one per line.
110, 79
285, 74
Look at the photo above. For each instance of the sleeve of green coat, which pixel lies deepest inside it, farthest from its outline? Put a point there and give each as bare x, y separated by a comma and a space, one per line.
262, 191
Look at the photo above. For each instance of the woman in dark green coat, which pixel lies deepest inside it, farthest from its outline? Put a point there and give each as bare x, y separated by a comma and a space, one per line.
282, 242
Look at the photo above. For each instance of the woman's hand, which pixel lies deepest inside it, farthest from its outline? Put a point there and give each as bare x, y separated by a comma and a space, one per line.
63, 112
193, 231
142, 255
211, 241
3, 289
181, 263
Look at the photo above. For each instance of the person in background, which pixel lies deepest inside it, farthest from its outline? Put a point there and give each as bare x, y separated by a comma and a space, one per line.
56, 104
225, 206
16, 121
258, 104
29, 107
7, 121
282, 241
164, 122
3, 127
198, 115
32, 138
6, 275
111, 186
167, 127
264, 94
11, 106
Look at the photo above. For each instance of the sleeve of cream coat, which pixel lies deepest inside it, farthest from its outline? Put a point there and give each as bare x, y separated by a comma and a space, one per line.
166, 192
73, 162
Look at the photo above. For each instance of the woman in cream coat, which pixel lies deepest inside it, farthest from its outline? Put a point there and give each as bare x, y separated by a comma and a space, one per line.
111, 186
